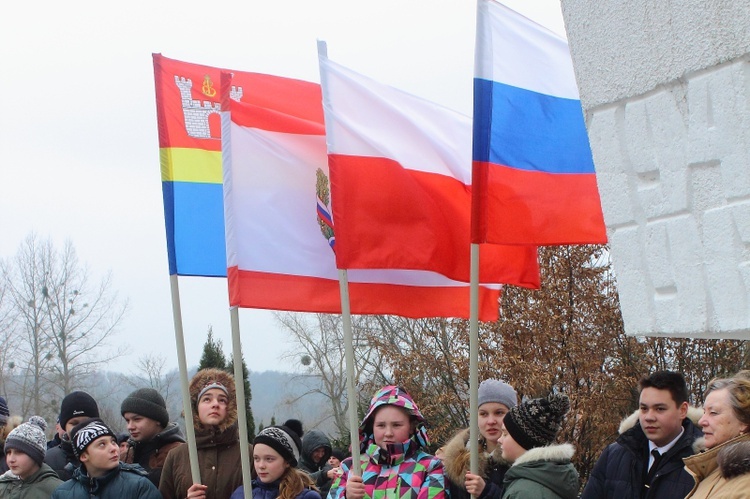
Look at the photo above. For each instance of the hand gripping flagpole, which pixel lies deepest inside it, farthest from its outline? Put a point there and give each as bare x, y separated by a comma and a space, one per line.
187, 406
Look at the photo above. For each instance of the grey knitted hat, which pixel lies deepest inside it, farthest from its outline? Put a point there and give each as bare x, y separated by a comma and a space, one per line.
535, 423
29, 438
146, 402
4, 412
494, 390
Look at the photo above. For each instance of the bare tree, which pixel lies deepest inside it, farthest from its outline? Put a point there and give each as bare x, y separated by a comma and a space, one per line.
151, 373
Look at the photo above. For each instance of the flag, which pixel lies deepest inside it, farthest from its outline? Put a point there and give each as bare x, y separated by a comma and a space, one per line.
401, 184
533, 171
188, 112
281, 236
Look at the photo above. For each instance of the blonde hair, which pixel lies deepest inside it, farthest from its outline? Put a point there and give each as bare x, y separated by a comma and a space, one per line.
13, 422
738, 389
293, 482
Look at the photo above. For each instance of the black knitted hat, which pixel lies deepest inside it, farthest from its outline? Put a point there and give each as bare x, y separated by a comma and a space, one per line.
535, 423
285, 439
85, 432
148, 403
77, 404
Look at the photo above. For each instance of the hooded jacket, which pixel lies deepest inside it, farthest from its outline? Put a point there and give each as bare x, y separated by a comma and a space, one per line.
38, 486
218, 447
152, 454
542, 473
456, 459
401, 470
722, 472
127, 480
618, 473
318, 471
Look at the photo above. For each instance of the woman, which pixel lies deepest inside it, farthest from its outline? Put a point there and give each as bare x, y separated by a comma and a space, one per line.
394, 463
495, 400
276, 454
540, 468
212, 394
722, 469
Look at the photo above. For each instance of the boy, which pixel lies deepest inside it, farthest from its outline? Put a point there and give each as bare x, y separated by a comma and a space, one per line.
630, 467
75, 407
28, 476
101, 473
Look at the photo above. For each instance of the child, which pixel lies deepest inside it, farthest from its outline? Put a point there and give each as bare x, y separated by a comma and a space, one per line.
28, 476
395, 463
540, 469
101, 473
276, 453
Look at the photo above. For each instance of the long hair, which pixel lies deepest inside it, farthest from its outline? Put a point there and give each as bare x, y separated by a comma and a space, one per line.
293, 482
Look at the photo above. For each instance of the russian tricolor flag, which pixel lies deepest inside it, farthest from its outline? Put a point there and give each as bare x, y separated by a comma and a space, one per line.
533, 173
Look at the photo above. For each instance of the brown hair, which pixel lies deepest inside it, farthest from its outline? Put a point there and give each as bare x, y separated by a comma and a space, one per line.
293, 482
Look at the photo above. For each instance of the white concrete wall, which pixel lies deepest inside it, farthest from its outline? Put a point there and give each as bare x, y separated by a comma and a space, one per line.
666, 91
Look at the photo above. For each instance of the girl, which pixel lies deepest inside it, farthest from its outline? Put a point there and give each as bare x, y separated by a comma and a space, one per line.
393, 440
496, 398
540, 469
212, 393
276, 453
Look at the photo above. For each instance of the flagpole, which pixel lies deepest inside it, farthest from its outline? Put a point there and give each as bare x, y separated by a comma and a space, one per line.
239, 383
187, 406
474, 361
351, 393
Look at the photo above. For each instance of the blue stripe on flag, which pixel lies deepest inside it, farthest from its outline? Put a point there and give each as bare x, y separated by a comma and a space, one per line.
194, 214
529, 131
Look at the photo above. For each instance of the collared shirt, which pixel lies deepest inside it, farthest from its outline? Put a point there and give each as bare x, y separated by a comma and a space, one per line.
662, 450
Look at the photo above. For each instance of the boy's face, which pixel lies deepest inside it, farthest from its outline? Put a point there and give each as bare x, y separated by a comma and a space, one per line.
20, 464
70, 424
141, 428
660, 416
102, 455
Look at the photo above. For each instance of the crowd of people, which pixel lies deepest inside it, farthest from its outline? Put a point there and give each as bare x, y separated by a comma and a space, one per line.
666, 449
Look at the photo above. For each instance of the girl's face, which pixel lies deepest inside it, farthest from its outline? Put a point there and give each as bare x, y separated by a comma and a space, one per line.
511, 449
391, 425
491, 417
212, 407
269, 465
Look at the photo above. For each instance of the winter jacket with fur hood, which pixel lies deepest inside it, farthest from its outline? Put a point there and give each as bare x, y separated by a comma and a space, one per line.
404, 470
152, 454
542, 473
722, 472
456, 459
38, 486
218, 447
619, 471
127, 480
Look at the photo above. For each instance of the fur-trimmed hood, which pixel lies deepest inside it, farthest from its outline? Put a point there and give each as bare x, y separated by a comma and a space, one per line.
203, 378
694, 414
555, 452
734, 460
457, 457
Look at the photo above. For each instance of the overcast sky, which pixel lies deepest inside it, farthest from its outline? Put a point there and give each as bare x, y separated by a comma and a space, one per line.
78, 136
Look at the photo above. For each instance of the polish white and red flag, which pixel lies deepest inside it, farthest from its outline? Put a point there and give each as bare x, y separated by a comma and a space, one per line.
401, 184
281, 238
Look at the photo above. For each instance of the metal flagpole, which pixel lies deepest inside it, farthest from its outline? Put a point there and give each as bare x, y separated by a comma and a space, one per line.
474, 361
239, 383
351, 392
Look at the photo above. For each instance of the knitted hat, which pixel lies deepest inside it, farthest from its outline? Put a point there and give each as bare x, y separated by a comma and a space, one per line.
29, 438
4, 412
148, 403
86, 432
284, 439
76, 404
535, 423
494, 390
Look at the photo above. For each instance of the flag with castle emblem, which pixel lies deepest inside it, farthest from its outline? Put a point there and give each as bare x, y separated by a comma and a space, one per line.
187, 109
533, 174
401, 176
281, 237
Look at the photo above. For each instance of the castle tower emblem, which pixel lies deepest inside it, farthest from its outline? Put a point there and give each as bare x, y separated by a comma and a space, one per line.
196, 112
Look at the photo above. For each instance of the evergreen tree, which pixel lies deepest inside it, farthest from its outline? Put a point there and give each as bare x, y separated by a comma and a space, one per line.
248, 397
213, 356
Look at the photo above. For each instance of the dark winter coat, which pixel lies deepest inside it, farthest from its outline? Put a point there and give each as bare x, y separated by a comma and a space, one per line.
312, 440
152, 454
126, 481
271, 491
3, 464
619, 471
722, 472
456, 459
38, 486
62, 460
542, 473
